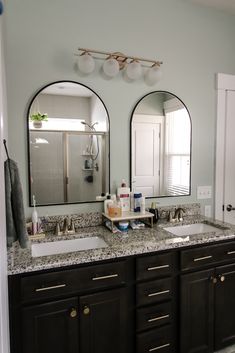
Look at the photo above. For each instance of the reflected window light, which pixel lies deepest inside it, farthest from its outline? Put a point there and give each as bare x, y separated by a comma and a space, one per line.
59, 124
40, 140
177, 158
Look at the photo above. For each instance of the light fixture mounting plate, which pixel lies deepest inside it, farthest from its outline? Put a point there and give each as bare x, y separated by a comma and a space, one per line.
121, 59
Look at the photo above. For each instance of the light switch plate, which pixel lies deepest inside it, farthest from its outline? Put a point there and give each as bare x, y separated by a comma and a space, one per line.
204, 192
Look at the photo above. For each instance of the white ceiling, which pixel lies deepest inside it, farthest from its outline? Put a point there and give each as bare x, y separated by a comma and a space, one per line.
68, 89
225, 5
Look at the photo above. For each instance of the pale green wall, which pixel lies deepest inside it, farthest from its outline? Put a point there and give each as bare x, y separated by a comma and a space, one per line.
194, 43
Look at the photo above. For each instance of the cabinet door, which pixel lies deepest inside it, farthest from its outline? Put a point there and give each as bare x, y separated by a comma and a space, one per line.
197, 312
50, 327
102, 322
225, 307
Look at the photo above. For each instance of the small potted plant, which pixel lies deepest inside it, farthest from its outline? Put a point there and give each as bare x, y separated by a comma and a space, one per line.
37, 119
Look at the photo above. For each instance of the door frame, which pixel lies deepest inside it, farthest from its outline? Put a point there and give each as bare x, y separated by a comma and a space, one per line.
224, 83
4, 312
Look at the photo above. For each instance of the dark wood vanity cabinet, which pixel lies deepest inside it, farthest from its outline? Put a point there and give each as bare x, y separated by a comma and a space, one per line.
197, 312
89, 324
207, 301
225, 306
51, 327
59, 312
156, 296
171, 301
104, 322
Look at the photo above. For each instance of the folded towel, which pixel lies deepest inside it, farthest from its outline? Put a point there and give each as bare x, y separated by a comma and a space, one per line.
15, 218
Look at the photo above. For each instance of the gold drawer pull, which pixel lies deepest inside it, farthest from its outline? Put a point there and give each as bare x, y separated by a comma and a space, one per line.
86, 310
159, 347
158, 293
202, 258
157, 267
104, 277
230, 252
159, 318
221, 278
73, 313
49, 288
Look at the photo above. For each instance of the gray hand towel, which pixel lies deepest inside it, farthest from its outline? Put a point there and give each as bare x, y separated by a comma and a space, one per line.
15, 218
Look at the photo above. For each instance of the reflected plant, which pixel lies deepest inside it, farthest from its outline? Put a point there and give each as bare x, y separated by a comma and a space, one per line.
39, 117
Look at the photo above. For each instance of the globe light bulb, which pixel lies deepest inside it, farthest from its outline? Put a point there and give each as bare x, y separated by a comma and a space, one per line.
153, 75
111, 67
86, 63
134, 70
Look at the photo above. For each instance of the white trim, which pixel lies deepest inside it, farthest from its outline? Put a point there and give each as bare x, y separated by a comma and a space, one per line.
224, 83
148, 118
4, 326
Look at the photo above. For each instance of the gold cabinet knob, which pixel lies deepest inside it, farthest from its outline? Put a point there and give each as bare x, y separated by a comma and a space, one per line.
86, 310
222, 278
213, 279
73, 313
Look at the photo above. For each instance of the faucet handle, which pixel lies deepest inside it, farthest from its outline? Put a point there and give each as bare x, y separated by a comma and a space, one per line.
57, 228
180, 213
72, 226
170, 216
66, 225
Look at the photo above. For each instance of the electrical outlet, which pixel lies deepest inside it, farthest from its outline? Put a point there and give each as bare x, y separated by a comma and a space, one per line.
208, 210
204, 192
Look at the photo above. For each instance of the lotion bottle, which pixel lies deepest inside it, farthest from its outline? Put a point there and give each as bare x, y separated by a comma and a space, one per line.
142, 204
124, 194
34, 218
107, 202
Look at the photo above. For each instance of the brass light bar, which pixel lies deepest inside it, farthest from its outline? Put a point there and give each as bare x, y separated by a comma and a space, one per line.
120, 56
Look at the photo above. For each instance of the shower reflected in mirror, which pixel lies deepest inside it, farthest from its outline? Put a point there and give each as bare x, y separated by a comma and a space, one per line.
68, 145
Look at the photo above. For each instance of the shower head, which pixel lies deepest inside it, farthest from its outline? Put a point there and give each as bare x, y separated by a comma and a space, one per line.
90, 126
94, 124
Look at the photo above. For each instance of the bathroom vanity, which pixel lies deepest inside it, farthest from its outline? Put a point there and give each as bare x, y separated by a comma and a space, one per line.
150, 291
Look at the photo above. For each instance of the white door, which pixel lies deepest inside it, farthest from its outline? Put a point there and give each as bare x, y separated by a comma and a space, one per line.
225, 151
146, 155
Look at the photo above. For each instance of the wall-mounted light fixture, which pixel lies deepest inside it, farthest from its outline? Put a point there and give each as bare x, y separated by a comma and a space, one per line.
115, 62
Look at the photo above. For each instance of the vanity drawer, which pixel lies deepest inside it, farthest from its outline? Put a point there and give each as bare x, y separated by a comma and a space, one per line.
194, 258
158, 340
154, 291
226, 251
155, 266
42, 286
154, 316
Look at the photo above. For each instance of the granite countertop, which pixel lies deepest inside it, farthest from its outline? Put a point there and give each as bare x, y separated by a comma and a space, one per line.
120, 245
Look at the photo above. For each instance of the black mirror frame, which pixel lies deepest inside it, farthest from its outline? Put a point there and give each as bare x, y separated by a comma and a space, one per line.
28, 143
190, 171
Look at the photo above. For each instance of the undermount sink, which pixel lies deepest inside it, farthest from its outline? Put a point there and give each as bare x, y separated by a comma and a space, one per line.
66, 246
192, 229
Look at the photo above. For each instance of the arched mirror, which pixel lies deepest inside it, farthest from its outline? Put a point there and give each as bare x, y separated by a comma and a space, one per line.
160, 146
68, 145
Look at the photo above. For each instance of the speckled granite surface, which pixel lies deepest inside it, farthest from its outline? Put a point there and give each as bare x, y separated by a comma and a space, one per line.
119, 245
